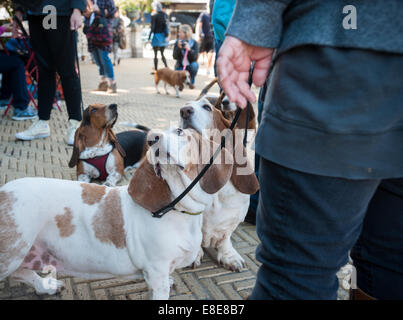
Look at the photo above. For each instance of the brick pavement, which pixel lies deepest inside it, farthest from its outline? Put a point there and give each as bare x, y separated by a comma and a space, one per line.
137, 102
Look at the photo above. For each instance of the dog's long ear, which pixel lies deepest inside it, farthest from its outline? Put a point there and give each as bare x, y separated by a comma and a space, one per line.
220, 171
243, 177
114, 140
147, 189
77, 148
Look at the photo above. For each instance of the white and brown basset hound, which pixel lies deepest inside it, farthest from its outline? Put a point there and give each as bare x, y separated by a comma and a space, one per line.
100, 154
94, 231
231, 203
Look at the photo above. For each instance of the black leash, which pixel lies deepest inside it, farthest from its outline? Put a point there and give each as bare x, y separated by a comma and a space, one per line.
161, 212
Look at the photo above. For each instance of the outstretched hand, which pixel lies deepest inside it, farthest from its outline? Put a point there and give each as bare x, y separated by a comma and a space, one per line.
233, 64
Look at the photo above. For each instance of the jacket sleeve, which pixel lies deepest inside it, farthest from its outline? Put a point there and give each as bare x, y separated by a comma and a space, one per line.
78, 4
152, 26
194, 51
258, 22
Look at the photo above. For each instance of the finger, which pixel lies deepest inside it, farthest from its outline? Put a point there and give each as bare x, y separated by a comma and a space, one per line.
246, 91
261, 71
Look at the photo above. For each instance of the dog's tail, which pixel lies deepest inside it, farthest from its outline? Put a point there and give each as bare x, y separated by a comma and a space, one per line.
207, 88
134, 125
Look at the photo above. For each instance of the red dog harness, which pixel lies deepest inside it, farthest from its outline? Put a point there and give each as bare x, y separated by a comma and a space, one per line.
100, 164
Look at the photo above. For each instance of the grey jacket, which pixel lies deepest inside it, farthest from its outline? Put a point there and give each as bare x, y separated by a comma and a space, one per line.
285, 24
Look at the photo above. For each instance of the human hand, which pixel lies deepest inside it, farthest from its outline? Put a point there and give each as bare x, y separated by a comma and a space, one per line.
76, 20
95, 8
187, 46
233, 64
16, 31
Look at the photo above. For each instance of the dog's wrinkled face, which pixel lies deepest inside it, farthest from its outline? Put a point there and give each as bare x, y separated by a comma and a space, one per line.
170, 147
100, 115
198, 115
187, 152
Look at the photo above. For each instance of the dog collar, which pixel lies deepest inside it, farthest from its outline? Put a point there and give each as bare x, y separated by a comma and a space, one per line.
192, 213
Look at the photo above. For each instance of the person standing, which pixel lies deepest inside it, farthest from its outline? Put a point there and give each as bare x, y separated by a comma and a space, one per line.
56, 51
118, 30
204, 35
185, 53
159, 32
102, 9
331, 163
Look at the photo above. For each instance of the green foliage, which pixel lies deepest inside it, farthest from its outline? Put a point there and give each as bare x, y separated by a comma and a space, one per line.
136, 5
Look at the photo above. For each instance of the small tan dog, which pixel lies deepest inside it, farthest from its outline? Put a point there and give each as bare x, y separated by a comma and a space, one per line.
176, 79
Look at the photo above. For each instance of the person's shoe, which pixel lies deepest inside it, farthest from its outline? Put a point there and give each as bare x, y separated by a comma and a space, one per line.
113, 88
118, 61
103, 86
39, 129
26, 114
191, 86
71, 131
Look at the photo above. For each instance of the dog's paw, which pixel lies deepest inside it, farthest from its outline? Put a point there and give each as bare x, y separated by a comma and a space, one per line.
231, 260
198, 259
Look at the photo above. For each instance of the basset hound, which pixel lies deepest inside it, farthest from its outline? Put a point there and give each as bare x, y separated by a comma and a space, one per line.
174, 78
93, 231
232, 201
100, 154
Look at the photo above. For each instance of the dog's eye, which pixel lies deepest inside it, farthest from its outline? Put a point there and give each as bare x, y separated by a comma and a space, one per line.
179, 132
94, 110
206, 107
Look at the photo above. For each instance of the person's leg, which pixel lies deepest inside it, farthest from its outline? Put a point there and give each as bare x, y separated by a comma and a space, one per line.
13, 72
163, 57
307, 224
193, 68
109, 71
115, 52
155, 57
46, 66
96, 55
64, 40
378, 253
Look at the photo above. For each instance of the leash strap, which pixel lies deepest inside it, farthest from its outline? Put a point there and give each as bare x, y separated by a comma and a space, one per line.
161, 212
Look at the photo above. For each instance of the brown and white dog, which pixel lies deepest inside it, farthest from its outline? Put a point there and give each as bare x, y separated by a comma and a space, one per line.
231, 203
93, 231
100, 154
176, 79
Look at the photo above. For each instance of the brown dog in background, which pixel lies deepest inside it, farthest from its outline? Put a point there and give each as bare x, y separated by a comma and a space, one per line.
176, 79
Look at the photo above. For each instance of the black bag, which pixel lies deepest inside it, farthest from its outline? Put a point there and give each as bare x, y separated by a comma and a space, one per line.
99, 33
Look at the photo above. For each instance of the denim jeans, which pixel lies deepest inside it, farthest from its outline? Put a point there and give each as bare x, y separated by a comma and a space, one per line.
104, 63
308, 223
193, 67
13, 82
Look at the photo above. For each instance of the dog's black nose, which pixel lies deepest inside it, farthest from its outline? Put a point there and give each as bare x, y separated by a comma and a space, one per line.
186, 112
113, 106
152, 138
225, 103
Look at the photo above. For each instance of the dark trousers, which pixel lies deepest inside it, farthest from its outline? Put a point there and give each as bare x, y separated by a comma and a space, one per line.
13, 82
160, 49
308, 223
55, 50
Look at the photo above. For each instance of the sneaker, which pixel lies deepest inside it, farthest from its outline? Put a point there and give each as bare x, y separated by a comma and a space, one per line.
113, 88
39, 129
71, 131
103, 86
191, 86
26, 114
